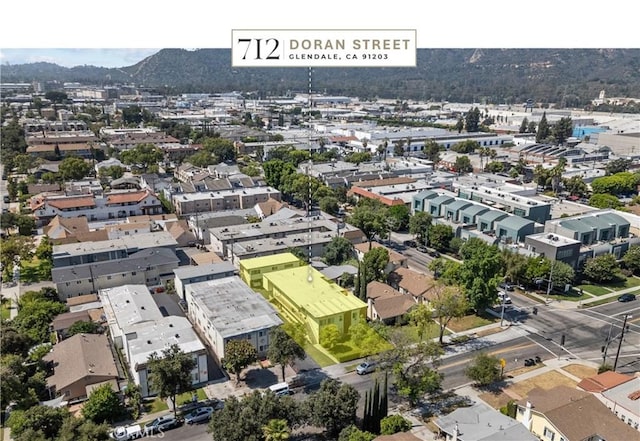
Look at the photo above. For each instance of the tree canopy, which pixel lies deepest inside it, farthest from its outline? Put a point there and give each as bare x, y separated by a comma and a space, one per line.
283, 349
238, 354
170, 372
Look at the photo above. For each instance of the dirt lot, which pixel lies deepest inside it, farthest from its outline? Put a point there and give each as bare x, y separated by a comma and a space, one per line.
581, 371
520, 390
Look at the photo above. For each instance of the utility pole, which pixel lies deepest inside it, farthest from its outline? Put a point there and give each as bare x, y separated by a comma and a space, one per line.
606, 346
624, 325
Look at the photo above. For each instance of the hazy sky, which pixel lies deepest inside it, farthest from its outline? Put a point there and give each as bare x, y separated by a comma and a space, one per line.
76, 57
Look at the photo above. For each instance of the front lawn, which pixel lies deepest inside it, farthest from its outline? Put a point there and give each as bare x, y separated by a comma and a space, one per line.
409, 333
157, 405
627, 282
594, 289
187, 397
5, 307
470, 322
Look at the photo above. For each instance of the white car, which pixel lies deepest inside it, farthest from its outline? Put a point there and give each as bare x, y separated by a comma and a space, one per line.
199, 415
504, 297
126, 433
365, 368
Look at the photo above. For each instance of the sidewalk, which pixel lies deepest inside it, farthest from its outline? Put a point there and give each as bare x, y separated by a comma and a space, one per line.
568, 304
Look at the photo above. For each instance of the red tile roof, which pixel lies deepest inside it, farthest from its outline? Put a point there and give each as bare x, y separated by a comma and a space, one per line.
71, 202
120, 198
367, 194
603, 381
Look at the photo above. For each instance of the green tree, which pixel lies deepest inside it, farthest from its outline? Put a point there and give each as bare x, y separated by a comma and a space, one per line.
45, 249
524, 126
44, 419
415, 373
338, 251
329, 204
618, 166
83, 327
142, 156
419, 225
376, 261
35, 316
243, 419
620, 183
447, 303
602, 269
394, 424
238, 354
420, 316
370, 218
276, 430
631, 259
575, 186
352, 433
398, 217
329, 336
562, 130
333, 406
221, 148
484, 369
170, 373
439, 236
73, 168
603, 201
103, 405
472, 120
543, 130
358, 157
459, 125
462, 164
74, 429
432, 151
480, 272
283, 349
468, 146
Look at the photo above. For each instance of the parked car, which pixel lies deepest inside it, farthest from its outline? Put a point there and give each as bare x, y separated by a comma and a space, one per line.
161, 424
126, 433
199, 415
504, 297
422, 249
410, 243
506, 286
628, 297
365, 368
434, 253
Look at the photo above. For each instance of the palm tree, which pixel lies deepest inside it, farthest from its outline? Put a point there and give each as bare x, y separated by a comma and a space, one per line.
276, 430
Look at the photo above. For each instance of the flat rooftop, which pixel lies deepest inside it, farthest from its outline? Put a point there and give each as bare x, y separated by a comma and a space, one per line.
232, 307
276, 259
318, 296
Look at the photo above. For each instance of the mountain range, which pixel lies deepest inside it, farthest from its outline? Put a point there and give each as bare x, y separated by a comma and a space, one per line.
572, 77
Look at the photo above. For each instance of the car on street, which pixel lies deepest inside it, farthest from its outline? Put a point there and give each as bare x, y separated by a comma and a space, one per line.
365, 367
434, 253
503, 297
200, 415
506, 286
161, 424
410, 243
422, 249
628, 297
126, 433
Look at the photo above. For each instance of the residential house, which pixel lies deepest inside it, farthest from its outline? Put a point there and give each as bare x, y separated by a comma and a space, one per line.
80, 364
480, 422
566, 414
396, 260
253, 270
226, 309
387, 304
61, 323
619, 392
418, 285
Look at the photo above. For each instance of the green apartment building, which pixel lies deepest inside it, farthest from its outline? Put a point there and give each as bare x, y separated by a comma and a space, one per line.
252, 270
303, 295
